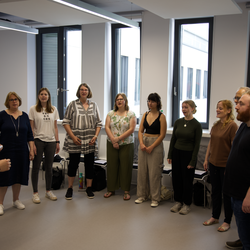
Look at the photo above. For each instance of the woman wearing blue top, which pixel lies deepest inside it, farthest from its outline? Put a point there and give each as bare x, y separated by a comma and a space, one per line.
16, 135
183, 151
151, 152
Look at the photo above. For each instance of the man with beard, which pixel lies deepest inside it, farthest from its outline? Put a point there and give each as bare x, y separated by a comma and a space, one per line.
242, 90
237, 176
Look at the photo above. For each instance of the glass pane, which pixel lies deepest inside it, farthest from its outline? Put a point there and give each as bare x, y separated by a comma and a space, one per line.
49, 65
73, 63
194, 67
129, 66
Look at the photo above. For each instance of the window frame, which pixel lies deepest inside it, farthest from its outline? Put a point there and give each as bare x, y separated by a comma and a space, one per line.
114, 66
61, 62
176, 78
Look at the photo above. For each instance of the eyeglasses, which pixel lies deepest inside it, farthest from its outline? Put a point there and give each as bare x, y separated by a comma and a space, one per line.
85, 90
236, 98
14, 100
118, 100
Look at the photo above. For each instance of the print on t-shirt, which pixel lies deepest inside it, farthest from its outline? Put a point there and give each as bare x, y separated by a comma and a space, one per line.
46, 117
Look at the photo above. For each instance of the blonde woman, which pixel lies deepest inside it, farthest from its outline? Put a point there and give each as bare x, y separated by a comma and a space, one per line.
222, 135
43, 120
183, 151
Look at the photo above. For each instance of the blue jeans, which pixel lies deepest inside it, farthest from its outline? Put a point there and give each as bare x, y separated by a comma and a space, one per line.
243, 223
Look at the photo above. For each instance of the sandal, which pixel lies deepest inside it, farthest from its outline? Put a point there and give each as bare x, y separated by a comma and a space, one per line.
223, 228
126, 196
210, 222
108, 194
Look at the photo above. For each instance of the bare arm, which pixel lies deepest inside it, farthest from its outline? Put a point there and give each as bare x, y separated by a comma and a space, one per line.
57, 137
140, 134
205, 164
32, 124
31, 154
246, 202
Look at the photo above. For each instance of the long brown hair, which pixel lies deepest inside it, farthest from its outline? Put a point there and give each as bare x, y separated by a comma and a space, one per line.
228, 105
49, 107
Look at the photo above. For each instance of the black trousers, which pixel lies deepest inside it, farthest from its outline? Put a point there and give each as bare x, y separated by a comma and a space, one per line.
217, 179
74, 160
182, 176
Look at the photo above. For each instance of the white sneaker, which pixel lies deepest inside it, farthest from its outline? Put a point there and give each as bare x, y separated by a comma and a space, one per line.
185, 209
50, 196
176, 208
18, 204
35, 198
1, 209
154, 204
140, 200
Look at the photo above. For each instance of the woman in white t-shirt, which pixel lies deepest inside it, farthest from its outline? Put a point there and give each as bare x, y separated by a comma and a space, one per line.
43, 120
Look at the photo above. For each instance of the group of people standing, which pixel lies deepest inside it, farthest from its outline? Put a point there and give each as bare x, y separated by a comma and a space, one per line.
82, 123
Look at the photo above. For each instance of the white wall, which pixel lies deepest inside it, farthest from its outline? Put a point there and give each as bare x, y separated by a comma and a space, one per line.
17, 67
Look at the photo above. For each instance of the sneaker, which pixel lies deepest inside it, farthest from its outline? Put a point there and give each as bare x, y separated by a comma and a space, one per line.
1, 209
89, 193
69, 194
18, 204
185, 209
50, 196
232, 244
35, 198
140, 200
154, 204
176, 208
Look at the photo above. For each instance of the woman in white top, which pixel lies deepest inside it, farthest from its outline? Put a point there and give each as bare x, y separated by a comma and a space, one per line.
43, 120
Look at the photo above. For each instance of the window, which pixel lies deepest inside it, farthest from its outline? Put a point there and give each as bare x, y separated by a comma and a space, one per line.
59, 63
126, 65
192, 66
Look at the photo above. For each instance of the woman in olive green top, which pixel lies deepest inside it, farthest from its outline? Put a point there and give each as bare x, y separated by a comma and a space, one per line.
183, 150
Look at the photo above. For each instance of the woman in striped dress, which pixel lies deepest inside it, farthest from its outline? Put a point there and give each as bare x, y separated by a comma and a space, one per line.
82, 123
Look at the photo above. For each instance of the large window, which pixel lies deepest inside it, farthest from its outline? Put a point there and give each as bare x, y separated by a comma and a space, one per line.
59, 63
126, 65
192, 66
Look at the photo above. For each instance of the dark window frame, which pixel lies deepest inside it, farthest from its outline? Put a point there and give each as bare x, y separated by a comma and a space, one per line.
176, 80
61, 62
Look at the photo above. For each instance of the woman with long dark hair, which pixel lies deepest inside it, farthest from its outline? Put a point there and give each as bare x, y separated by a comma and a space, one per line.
43, 120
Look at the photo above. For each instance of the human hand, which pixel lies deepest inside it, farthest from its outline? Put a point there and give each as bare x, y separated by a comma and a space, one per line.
149, 149
34, 148
116, 145
169, 161
205, 165
31, 155
5, 165
57, 148
77, 141
189, 167
92, 141
1, 147
143, 147
246, 205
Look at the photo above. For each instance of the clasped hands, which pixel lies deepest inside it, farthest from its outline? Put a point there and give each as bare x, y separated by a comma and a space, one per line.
115, 141
147, 149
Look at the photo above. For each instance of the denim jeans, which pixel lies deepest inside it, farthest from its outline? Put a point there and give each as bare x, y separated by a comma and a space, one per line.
243, 223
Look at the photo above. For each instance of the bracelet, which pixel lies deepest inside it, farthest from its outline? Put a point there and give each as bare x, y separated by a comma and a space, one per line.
95, 136
57, 141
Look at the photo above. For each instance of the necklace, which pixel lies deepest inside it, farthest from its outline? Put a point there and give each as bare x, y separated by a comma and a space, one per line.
17, 130
185, 124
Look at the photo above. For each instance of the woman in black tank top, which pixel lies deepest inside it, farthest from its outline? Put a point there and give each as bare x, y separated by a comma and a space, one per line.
151, 153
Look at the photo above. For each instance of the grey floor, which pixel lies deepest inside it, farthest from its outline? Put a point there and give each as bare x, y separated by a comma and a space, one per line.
107, 224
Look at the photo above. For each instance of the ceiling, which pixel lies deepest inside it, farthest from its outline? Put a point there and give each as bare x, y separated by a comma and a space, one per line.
44, 13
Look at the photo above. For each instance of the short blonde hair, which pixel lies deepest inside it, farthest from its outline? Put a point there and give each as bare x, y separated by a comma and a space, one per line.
227, 104
7, 100
86, 86
192, 104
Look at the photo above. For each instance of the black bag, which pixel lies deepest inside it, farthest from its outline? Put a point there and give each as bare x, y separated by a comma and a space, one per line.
57, 178
99, 180
199, 194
